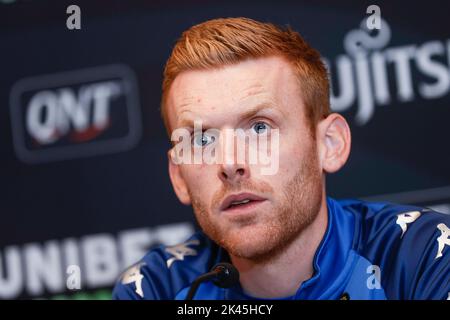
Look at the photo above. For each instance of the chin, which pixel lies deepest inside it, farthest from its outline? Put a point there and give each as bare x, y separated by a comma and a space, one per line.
249, 242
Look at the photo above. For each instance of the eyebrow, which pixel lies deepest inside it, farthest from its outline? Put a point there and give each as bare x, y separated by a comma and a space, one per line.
266, 105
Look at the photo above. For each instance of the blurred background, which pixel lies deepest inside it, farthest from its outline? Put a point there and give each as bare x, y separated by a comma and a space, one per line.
83, 173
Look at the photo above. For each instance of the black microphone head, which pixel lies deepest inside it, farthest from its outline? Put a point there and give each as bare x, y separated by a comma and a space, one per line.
227, 275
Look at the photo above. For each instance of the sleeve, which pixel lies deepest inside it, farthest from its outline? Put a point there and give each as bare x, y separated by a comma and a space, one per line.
433, 281
422, 264
147, 280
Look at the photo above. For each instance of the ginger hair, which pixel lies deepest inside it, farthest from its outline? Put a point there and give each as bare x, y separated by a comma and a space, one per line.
220, 42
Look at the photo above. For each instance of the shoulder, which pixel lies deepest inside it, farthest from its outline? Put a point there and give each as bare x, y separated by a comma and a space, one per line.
410, 245
393, 226
392, 220
166, 270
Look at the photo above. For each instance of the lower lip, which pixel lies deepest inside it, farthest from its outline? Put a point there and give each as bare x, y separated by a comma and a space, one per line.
245, 208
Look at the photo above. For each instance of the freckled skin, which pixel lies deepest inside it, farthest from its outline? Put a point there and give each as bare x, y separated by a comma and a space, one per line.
293, 195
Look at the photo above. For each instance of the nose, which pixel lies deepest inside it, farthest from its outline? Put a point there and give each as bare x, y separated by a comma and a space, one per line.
233, 167
233, 173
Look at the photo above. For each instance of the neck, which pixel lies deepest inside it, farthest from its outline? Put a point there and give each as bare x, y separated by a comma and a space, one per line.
282, 276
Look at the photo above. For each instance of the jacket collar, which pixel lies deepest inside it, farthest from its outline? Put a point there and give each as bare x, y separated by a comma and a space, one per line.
332, 262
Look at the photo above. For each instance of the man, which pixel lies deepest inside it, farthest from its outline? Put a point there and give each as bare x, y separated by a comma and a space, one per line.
286, 238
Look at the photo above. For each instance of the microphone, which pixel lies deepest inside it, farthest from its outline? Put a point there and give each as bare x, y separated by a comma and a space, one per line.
223, 275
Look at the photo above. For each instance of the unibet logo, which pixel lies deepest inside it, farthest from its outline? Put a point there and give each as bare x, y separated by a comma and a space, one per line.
75, 114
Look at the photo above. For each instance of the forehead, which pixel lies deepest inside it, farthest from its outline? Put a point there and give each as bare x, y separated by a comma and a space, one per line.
220, 94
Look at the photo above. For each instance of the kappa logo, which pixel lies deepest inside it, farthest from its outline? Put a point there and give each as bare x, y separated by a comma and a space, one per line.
75, 114
403, 219
180, 251
443, 240
134, 275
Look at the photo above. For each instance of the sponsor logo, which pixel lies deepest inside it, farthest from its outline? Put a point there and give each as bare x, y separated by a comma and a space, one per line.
372, 74
403, 219
444, 239
75, 114
134, 275
44, 269
180, 251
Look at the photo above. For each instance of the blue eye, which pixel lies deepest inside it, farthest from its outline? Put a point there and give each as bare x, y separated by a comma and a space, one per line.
202, 139
260, 127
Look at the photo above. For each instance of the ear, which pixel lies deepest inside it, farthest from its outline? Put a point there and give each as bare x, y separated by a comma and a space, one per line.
334, 141
178, 183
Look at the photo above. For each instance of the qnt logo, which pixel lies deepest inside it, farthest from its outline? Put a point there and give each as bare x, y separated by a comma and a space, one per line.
75, 114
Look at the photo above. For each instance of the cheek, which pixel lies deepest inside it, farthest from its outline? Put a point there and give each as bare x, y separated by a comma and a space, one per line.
295, 154
291, 155
199, 179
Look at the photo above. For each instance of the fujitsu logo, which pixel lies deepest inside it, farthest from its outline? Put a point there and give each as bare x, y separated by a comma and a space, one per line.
75, 114
373, 74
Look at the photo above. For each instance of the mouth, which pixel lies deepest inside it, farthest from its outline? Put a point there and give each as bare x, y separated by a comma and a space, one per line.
241, 202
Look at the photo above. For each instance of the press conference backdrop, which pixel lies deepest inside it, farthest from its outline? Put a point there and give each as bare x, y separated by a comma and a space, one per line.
87, 185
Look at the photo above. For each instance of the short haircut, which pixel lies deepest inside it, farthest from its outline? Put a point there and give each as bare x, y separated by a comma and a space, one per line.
221, 42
